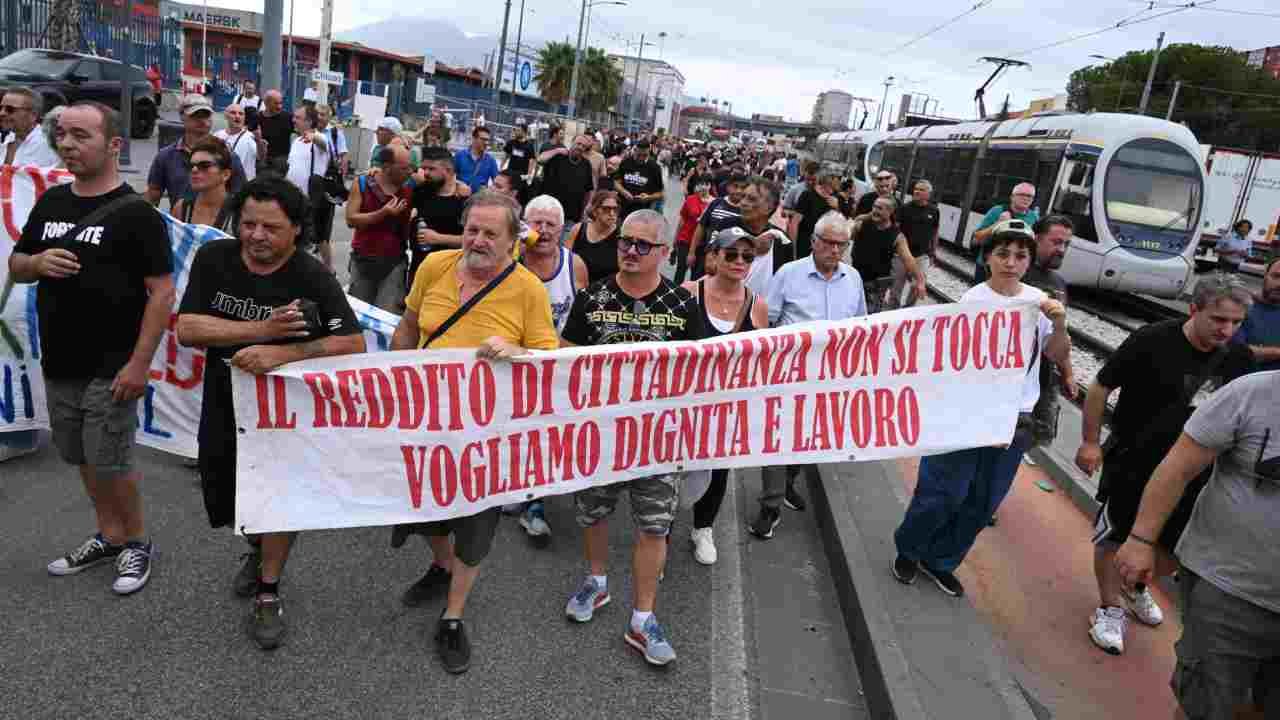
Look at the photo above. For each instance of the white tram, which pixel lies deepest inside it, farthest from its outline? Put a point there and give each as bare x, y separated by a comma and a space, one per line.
1133, 185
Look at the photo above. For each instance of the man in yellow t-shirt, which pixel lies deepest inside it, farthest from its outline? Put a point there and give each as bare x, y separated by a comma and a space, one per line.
513, 316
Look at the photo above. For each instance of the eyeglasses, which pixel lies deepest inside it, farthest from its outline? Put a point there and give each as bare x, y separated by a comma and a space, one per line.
884, 178
642, 247
204, 166
14, 108
732, 255
608, 208
837, 245
1025, 195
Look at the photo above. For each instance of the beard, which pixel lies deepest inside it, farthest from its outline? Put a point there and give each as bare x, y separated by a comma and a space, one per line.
433, 185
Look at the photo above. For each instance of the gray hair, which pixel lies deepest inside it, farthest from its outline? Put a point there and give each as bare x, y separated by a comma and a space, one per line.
1212, 289
37, 100
50, 126
545, 202
493, 198
833, 221
923, 183
893, 202
650, 218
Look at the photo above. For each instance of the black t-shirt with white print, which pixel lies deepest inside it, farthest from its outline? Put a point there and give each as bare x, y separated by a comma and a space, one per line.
89, 322
603, 314
223, 287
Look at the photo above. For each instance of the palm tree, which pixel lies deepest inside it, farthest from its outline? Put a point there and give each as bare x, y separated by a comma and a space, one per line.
600, 80
554, 72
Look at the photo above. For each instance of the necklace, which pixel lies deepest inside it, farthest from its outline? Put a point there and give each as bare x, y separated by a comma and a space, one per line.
725, 304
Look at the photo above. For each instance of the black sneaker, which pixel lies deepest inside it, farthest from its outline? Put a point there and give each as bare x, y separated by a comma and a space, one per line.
793, 499
765, 522
94, 551
435, 582
905, 569
133, 567
452, 646
946, 582
267, 626
246, 581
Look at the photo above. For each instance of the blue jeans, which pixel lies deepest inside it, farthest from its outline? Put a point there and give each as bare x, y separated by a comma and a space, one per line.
956, 495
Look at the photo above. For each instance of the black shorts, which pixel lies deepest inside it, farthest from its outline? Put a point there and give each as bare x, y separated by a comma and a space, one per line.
1119, 510
472, 535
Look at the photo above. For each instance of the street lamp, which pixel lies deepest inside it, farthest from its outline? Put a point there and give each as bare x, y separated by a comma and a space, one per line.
880, 113
1124, 77
577, 56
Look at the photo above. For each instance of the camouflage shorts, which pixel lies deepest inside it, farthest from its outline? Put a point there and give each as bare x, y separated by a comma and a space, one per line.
654, 501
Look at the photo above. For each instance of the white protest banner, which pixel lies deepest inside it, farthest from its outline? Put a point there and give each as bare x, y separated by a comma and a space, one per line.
413, 436
169, 413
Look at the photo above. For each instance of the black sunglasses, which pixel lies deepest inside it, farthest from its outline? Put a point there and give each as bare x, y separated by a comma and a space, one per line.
204, 165
642, 247
732, 255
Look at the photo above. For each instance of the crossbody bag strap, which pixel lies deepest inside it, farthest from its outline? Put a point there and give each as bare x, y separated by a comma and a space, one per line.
96, 217
466, 307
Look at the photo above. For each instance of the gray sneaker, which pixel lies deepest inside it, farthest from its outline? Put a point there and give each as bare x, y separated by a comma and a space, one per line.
534, 522
583, 604
651, 642
267, 624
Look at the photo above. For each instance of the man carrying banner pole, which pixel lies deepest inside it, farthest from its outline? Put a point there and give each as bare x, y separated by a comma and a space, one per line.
255, 303
102, 259
475, 297
635, 305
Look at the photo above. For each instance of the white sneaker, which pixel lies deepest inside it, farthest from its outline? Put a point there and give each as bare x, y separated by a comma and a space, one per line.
704, 545
1106, 629
1144, 607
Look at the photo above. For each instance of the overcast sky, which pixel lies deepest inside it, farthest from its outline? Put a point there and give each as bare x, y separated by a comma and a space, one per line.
777, 61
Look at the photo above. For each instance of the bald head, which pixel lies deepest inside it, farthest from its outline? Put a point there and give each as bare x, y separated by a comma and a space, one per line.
395, 160
235, 118
274, 101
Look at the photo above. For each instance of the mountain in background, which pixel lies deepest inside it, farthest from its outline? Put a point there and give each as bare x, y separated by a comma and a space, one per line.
417, 35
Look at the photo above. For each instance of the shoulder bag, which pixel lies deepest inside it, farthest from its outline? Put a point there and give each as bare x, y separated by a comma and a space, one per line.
466, 307
65, 242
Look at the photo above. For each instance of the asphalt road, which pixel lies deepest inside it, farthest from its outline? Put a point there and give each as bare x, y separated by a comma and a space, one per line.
179, 647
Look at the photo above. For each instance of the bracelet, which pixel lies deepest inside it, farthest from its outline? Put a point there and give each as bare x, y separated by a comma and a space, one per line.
1139, 538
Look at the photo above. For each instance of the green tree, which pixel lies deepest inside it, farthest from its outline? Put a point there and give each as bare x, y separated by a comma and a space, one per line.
1223, 100
598, 78
554, 72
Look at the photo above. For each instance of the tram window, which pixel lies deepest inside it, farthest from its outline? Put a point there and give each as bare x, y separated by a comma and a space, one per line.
1073, 199
928, 165
858, 159
896, 158
1001, 171
875, 158
952, 182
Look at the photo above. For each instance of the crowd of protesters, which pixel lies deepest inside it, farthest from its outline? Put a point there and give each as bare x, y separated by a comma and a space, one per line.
566, 245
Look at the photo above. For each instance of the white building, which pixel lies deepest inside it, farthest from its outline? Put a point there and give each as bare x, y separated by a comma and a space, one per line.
658, 89
832, 109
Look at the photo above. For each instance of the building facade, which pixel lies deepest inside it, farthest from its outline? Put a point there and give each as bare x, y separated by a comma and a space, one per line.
1267, 58
652, 93
832, 109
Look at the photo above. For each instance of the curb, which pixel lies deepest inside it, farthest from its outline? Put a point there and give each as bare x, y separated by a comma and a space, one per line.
894, 688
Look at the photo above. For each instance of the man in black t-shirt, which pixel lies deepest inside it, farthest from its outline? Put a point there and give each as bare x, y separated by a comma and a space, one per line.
1163, 371
246, 303
919, 221
105, 293
715, 217
519, 152
438, 202
638, 180
877, 241
274, 134
636, 305
884, 181
567, 176
813, 203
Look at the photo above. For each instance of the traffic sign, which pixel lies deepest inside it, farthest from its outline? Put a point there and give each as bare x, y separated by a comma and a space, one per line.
331, 77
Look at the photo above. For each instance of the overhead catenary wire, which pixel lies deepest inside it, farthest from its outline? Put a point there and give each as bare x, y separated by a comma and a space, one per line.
1127, 22
1229, 11
976, 7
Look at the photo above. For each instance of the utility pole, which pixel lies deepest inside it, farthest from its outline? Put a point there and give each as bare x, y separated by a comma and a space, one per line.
502, 53
326, 43
289, 79
1177, 85
272, 20
1151, 76
126, 89
635, 86
515, 72
204, 44
577, 60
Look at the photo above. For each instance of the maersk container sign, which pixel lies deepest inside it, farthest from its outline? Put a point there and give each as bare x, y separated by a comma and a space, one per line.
221, 18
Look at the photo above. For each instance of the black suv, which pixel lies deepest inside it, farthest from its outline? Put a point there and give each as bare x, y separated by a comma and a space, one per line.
65, 77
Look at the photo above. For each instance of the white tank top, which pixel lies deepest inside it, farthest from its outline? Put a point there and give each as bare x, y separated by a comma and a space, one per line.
561, 289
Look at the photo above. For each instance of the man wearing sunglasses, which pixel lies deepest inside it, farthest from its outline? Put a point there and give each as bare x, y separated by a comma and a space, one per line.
885, 182
1230, 574
1020, 207
171, 170
636, 305
20, 111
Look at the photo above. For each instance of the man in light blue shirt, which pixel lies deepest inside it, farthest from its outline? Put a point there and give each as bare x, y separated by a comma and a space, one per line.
815, 287
474, 165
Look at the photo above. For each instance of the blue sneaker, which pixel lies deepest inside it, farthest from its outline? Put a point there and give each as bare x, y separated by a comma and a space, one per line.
534, 522
583, 604
651, 642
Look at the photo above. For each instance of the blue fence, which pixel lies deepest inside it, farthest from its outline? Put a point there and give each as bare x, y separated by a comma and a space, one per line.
103, 30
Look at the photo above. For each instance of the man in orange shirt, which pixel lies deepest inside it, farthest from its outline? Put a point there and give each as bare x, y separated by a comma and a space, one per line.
512, 314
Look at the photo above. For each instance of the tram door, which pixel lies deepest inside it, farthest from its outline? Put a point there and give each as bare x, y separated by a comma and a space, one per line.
1074, 198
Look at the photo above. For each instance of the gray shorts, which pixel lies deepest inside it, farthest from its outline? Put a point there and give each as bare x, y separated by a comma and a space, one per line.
1228, 647
654, 501
89, 428
378, 281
